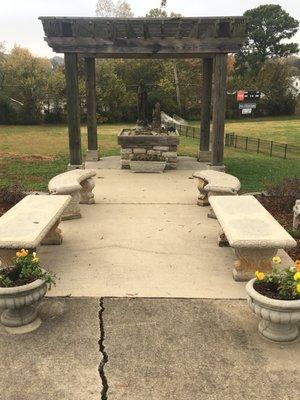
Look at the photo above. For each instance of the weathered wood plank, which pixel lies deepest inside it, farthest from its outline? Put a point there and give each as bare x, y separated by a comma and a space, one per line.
207, 69
219, 108
90, 82
71, 73
156, 48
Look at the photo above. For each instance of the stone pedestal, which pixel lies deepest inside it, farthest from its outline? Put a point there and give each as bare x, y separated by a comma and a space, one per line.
54, 236
86, 194
219, 168
72, 211
72, 167
250, 260
204, 156
92, 155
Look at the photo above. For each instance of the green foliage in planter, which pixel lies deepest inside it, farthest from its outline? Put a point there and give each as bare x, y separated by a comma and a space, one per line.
281, 284
26, 269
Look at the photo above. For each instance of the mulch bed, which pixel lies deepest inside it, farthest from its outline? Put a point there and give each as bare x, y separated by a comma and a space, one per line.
274, 205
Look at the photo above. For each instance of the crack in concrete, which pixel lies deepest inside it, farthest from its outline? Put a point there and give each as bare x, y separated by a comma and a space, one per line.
104, 360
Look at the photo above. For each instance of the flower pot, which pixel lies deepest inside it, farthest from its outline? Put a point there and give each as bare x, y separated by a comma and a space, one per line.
279, 318
147, 166
20, 306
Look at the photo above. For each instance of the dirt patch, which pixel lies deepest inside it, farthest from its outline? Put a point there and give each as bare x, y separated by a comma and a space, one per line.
28, 157
275, 206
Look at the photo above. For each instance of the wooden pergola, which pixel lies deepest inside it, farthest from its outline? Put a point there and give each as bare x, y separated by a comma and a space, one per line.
210, 38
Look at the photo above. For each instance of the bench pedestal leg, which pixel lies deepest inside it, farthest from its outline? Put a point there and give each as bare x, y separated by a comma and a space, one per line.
222, 240
54, 236
86, 194
202, 197
251, 260
73, 210
6, 257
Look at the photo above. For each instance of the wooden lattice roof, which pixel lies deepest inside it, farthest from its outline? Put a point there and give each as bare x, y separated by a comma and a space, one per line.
145, 37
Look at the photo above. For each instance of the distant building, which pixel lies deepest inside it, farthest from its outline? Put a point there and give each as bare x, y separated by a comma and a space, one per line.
296, 84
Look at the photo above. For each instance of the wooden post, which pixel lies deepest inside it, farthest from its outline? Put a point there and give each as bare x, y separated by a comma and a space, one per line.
90, 84
71, 72
207, 68
219, 108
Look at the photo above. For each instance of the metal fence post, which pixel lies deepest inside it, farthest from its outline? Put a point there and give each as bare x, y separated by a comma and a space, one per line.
271, 148
235, 142
246, 143
285, 151
258, 143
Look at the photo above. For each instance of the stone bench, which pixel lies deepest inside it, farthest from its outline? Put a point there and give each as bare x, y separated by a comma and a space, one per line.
215, 183
32, 221
251, 231
77, 183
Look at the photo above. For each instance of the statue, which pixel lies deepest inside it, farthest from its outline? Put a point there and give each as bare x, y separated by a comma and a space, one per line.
156, 118
142, 107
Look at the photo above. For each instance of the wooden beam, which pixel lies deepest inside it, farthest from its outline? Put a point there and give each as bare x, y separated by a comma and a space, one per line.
71, 72
207, 68
219, 108
143, 48
90, 84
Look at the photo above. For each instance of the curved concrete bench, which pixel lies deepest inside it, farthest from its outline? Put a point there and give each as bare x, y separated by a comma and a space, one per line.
77, 183
215, 183
31, 222
252, 232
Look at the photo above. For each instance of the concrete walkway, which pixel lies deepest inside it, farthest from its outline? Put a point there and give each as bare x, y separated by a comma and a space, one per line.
144, 237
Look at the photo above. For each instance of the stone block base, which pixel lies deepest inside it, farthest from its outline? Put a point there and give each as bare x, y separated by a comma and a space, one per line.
92, 155
219, 168
204, 156
168, 153
71, 167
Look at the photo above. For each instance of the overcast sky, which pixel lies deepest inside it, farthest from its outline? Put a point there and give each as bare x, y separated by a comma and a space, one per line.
19, 22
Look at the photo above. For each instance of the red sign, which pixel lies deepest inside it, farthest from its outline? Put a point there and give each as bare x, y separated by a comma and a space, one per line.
240, 95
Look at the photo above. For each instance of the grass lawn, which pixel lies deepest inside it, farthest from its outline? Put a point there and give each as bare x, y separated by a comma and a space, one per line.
279, 129
31, 155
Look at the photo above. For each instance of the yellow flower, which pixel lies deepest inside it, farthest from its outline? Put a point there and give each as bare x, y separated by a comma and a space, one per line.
297, 276
297, 265
276, 260
22, 253
259, 275
298, 287
34, 254
35, 259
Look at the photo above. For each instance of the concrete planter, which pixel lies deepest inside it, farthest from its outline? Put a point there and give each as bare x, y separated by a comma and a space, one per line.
160, 145
19, 304
279, 317
147, 166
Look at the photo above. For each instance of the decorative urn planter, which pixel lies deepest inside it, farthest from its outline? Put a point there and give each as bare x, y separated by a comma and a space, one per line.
279, 318
20, 306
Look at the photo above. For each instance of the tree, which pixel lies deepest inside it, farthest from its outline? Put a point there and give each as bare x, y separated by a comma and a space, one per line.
107, 8
26, 79
268, 26
156, 13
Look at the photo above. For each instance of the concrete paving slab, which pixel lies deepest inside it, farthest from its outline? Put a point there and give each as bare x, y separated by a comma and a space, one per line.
123, 186
58, 361
113, 162
193, 349
142, 250
145, 237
